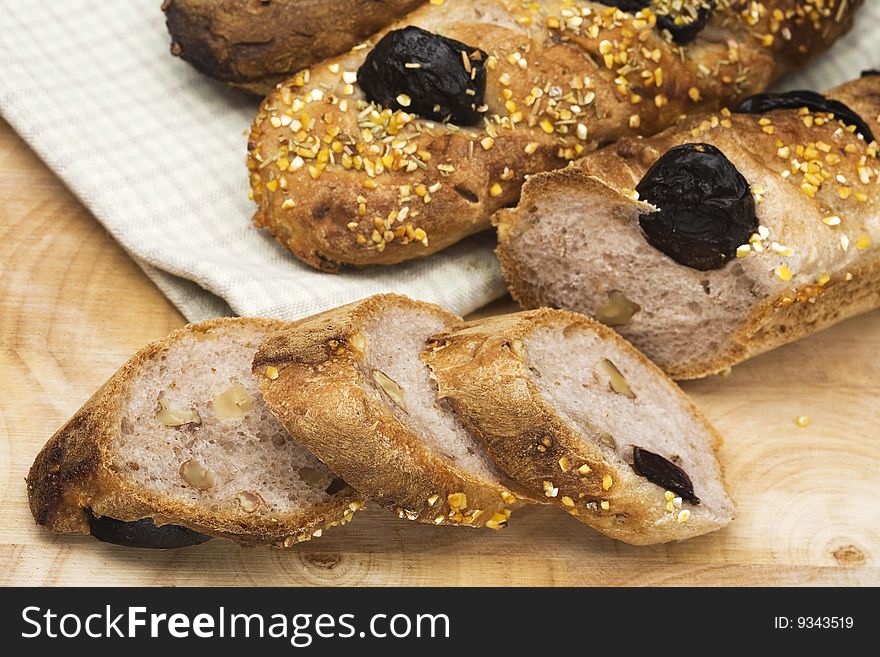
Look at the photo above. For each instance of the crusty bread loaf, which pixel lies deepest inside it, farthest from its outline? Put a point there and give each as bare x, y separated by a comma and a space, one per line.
571, 411
575, 241
178, 445
255, 44
349, 385
341, 181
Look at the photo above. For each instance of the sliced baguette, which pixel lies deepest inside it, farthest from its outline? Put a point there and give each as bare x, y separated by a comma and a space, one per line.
349, 384
560, 402
179, 446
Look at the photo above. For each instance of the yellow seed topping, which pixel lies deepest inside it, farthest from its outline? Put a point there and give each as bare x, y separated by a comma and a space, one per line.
784, 273
457, 501
802, 421
498, 520
606, 482
271, 372
508, 497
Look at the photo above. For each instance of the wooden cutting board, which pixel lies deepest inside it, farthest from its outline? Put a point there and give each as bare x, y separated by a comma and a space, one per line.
73, 307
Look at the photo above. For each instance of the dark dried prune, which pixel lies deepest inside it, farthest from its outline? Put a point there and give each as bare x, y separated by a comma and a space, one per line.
335, 486
682, 23
665, 473
142, 533
795, 100
686, 23
632, 6
870, 73
705, 206
425, 73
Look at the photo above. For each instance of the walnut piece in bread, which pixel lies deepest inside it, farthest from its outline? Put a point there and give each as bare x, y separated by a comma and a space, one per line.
341, 180
578, 238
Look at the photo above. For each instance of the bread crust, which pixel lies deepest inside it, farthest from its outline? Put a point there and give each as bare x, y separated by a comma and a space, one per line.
323, 398
327, 194
73, 472
254, 44
482, 369
778, 311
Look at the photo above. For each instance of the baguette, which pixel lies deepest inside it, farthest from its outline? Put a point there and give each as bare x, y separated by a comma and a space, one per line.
254, 44
343, 177
178, 446
574, 414
349, 384
578, 238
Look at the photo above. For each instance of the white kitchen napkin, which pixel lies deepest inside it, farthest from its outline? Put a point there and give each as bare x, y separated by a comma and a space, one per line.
157, 153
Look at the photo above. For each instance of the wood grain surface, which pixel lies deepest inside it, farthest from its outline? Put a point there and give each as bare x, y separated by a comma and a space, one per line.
73, 307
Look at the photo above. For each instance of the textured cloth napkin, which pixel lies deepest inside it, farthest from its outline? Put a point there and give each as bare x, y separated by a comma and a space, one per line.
157, 153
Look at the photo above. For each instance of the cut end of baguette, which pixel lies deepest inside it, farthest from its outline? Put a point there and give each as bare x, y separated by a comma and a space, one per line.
570, 244
352, 387
566, 402
182, 436
233, 451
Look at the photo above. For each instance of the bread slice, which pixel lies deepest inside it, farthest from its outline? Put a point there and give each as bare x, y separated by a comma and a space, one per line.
563, 405
178, 446
349, 384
